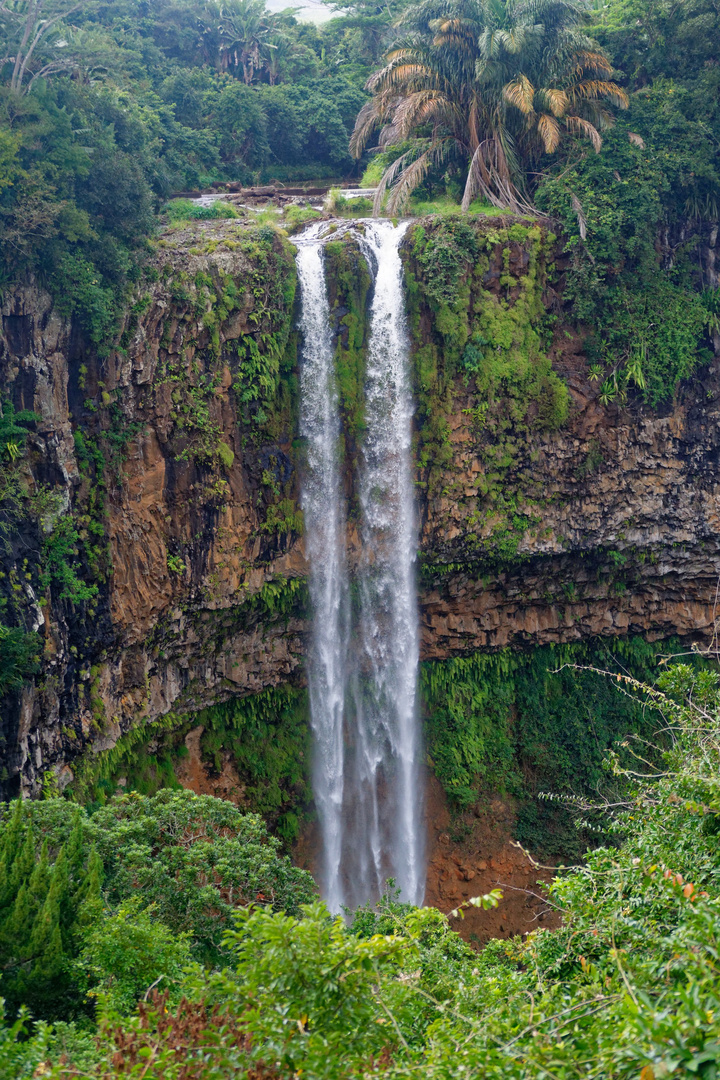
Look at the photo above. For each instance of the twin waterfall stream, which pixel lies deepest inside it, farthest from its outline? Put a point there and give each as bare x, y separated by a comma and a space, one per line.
362, 669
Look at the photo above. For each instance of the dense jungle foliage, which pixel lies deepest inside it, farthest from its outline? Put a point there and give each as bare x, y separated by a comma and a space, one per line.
185, 978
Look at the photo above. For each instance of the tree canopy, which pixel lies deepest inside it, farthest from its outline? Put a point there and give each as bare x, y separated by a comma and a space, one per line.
493, 83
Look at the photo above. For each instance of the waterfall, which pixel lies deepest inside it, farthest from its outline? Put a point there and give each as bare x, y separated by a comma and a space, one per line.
323, 511
363, 663
384, 781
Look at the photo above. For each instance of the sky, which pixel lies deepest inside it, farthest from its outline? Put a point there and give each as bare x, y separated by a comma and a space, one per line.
305, 10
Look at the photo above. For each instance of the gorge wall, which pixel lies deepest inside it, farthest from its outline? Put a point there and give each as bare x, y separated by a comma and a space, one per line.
156, 546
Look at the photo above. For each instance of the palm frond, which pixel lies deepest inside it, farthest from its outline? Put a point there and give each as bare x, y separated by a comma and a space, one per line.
597, 114
598, 88
412, 176
553, 99
489, 176
549, 131
388, 178
590, 60
520, 93
488, 44
389, 136
365, 124
579, 213
579, 126
417, 109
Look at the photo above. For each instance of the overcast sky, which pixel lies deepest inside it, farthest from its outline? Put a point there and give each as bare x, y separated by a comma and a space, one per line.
307, 10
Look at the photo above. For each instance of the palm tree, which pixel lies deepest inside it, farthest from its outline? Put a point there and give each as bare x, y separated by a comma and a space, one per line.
242, 29
493, 83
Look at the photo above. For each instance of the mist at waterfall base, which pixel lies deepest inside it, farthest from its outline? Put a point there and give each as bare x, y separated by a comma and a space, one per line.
363, 662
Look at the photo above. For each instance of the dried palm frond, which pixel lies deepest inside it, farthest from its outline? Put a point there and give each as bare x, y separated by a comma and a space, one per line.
389, 136
549, 131
409, 60
367, 121
412, 176
579, 126
387, 179
553, 99
420, 108
592, 60
581, 219
456, 41
520, 93
598, 88
636, 140
410, 75
489, 175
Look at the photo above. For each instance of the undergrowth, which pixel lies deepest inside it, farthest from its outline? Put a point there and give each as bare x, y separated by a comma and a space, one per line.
477, 318
523, 723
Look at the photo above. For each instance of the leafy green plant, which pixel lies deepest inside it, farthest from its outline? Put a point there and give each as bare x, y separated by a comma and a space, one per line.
19, 657
127, 951
648, 325
104, 902
13, 430
50, 889
524, 723
59, 563
186, 210
176, 564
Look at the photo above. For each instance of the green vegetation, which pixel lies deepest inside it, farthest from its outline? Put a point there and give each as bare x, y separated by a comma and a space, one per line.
648, 330
626, 987
475, 297
50, 545
268, 738
186, 210
525, 723
19, 657
265, 735
145, 885
50, 892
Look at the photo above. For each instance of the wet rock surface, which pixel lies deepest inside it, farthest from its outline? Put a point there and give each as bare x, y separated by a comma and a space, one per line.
619, 511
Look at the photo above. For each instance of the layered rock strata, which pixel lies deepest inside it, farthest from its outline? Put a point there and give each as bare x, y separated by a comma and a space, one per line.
617, 513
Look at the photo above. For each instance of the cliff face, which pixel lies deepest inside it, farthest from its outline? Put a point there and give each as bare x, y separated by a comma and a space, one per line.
618, 530
168, 469
173, 479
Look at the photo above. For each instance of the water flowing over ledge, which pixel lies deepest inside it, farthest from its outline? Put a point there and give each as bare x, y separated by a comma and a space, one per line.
362, 669
323, 508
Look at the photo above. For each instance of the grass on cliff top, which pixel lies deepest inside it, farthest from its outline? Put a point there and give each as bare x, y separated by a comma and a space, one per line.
188, 210
444, 205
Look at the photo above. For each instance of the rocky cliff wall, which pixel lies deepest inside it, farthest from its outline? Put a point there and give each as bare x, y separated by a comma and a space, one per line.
159, 551
168, 460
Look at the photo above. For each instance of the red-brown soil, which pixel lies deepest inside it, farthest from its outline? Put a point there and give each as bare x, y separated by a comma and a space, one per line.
474, 853
194, 775
467, 855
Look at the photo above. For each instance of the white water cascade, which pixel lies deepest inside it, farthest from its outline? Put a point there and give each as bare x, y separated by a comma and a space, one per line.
323, 510
363, 663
